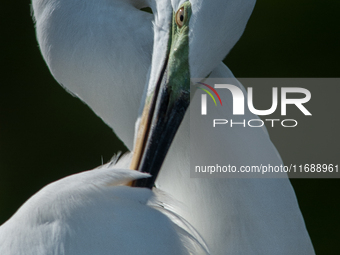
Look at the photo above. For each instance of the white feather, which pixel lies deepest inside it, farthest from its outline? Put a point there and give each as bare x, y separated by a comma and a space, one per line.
93, 213
102, 52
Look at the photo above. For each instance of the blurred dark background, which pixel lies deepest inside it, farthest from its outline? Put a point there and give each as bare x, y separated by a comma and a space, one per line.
46, 134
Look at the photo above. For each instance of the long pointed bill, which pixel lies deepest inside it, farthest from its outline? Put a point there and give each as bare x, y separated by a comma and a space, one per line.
165, 108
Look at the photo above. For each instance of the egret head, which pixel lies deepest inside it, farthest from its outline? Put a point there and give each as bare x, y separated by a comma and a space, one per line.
108, 52
177, 54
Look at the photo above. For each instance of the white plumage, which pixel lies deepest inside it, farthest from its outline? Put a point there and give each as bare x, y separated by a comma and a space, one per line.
106, 53
93, 213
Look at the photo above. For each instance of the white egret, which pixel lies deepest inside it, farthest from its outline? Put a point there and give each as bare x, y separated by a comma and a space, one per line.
109, 54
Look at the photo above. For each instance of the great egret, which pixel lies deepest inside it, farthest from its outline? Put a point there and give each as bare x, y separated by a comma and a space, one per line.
95, 48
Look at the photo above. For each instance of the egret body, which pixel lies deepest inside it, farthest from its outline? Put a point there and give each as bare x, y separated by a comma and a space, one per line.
112, 55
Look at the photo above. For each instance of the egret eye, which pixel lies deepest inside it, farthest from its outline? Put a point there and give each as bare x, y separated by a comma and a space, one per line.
180, 17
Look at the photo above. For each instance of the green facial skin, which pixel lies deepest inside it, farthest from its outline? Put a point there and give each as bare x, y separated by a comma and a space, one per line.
169, 103
178, 63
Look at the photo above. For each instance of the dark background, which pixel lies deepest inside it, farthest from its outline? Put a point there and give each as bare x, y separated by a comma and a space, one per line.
46, 134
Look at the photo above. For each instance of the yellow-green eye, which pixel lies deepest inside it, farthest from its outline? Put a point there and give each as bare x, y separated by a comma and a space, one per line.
180, 17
